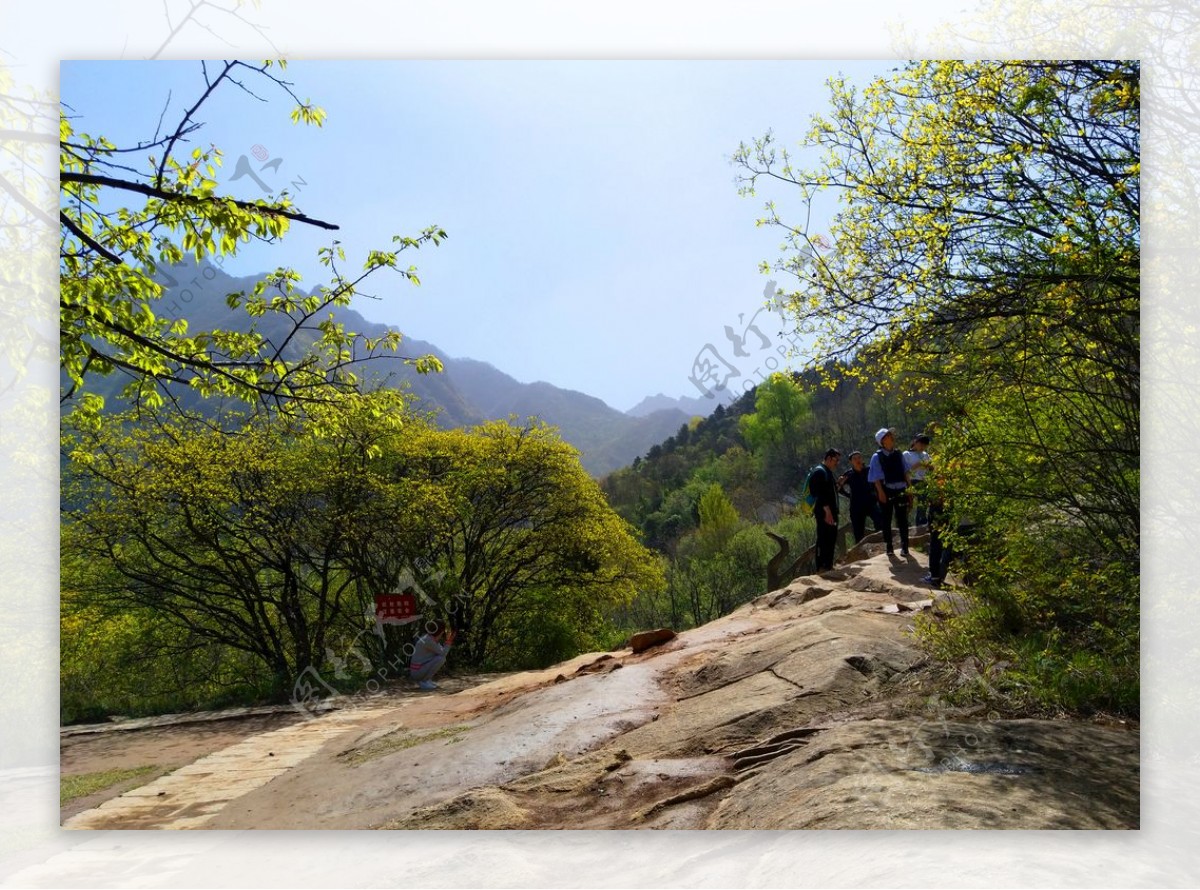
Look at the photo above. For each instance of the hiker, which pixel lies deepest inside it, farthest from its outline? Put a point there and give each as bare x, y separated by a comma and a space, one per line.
916, 462
939, 555
863, 502
429, 654
822, 487
890, 479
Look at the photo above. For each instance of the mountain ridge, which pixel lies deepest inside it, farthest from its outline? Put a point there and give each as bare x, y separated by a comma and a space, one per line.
690, 405
466, 393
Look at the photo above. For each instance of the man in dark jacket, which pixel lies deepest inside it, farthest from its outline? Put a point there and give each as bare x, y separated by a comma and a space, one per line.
863, 499
822, 485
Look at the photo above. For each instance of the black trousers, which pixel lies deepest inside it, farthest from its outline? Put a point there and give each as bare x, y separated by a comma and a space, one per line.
939, 555
897, 505
826, 542
858, 519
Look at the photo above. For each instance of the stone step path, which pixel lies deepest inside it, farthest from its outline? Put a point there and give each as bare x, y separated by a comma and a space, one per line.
192, 795
132, 724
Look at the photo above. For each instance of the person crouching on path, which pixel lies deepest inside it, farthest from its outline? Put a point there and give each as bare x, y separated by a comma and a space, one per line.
890, 479
823, 487
429, 654
863, 500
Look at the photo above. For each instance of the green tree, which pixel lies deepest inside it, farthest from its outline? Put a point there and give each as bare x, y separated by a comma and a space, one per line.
131, 662
126, 211
984, 263
709, 577
775, 429
528, 528
718, 517
272, 542
252, 540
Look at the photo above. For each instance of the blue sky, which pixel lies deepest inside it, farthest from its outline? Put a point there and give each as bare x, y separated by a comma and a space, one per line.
596, 237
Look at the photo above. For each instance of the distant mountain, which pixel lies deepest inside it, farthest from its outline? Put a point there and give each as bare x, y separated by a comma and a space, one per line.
607, 438
691, 406
467, 392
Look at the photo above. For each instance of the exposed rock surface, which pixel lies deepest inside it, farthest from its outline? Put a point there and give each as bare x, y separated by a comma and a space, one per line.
807, 708
648, 639
918, 773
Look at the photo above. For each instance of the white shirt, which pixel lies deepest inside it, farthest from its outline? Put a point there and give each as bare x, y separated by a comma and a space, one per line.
915, 463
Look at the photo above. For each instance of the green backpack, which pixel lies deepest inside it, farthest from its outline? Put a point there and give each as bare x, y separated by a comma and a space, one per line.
810, 499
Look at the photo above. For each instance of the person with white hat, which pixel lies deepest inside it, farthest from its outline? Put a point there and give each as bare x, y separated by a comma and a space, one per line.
890, 478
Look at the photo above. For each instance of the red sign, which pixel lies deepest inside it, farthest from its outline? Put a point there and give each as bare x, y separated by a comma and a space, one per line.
396, 608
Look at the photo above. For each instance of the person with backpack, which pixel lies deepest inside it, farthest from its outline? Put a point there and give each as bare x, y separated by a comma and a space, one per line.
822, 493
863, 500
890, 479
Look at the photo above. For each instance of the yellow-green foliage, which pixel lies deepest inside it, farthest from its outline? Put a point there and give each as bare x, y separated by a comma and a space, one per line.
534, 557
199, 563
983, 264
132, 662
718, 517
1048, 633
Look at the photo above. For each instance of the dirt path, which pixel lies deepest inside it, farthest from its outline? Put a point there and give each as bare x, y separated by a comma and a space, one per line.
192, 795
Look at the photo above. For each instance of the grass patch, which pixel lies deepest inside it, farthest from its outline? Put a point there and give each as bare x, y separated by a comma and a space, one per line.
1033, 672
398, 740
74, 787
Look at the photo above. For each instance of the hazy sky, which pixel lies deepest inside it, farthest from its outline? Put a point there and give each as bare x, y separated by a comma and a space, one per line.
596, 237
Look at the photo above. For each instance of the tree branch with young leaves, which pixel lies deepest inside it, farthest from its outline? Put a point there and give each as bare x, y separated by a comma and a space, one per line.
987, 235
126, 211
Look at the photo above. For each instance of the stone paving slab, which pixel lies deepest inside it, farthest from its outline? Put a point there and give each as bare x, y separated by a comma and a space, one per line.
135, 723
192, 795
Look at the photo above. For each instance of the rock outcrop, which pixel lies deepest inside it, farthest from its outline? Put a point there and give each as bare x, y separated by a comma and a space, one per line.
810, 707
807, 709
648, 639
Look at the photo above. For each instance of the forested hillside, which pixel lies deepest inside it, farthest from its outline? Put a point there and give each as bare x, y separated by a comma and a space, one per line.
987, 241
980, 282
